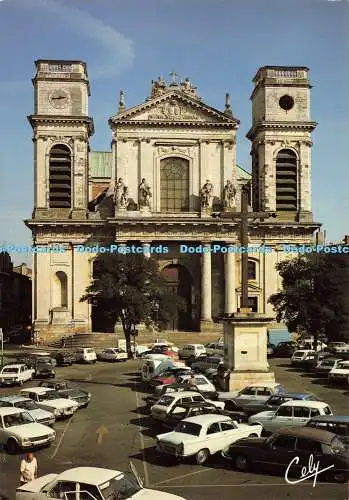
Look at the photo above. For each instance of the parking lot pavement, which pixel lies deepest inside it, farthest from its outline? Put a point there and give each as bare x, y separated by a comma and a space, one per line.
114, 429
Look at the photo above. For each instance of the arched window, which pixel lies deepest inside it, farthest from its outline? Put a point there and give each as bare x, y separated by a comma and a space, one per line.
61, 289
252, 270
174, 185
286, 181
60, 177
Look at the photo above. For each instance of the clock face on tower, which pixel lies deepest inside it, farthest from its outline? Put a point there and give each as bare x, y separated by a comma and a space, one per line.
59, 98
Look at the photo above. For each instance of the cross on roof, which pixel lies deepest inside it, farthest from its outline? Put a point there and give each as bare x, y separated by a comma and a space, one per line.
173, 75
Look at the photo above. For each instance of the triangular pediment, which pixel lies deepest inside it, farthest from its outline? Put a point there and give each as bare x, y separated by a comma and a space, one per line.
174, 107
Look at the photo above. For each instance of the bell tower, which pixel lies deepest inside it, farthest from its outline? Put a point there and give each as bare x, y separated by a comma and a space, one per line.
62, 129
281, 142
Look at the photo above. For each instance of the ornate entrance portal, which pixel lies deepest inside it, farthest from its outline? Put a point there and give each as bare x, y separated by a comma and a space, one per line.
180, 283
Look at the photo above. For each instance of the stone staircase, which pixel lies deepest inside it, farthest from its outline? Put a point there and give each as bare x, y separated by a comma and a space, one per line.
102, 340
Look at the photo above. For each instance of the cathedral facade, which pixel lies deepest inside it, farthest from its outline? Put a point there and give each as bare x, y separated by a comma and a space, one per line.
162, 189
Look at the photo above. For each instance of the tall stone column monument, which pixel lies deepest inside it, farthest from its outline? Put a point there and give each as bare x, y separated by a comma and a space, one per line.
245, 332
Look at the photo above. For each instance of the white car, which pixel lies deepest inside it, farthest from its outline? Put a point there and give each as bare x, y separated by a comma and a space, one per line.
293, 413
13, 374
192, 351
89, 483
85, 355
339, 346
165, 404
300, 355
18, 430
164, 343
339, 372
214, 348
113, 354
201, 382
203, 436
50, 400
39, 415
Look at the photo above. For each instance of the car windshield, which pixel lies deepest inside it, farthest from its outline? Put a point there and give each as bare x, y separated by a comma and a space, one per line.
200, 381
90, 351
122, 486
49, 395
17, 419
343, 366
165, 400
26, 405
10, 370
188, 428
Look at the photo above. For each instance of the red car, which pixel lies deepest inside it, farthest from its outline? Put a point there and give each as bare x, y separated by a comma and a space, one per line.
168, 377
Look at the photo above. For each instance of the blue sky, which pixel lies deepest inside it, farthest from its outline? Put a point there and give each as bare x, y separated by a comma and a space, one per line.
219, 44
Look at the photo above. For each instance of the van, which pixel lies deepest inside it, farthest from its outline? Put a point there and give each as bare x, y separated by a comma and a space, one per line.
153, 367
192, 351
86, 355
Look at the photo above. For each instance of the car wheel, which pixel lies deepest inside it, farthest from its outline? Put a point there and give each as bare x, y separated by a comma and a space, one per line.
241, 463
12, 446
253, 435
202, 456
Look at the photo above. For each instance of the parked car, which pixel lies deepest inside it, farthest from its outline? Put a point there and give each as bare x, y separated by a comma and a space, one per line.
69, 390
339, 374
276, 452
18, 430
165, 404
214, 349
252, 393
290, 414
339, 425
270, 349
85, 355
202, 383
50, 400
161, 390
338, 347
203, 436
277, 400
193, 359
299, 356
325, 365
15, 374
64, 358
207, 363
112, 354
39, 415
191, 350
44, 370
92, 483
168, 376
284, 349
310, 361
186, 410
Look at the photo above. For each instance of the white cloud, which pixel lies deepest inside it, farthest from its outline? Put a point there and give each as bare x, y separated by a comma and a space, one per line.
117, 51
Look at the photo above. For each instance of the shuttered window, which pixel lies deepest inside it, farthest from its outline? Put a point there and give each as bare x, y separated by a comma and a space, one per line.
60, 177
286, 181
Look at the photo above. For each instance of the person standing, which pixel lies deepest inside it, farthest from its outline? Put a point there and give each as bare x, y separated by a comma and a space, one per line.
192, 381
29, 469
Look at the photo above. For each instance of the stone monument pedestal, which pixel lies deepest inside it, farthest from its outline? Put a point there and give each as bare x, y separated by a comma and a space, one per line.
246, 339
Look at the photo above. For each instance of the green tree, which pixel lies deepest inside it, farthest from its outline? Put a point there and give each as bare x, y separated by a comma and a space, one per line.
130, 289
315, 295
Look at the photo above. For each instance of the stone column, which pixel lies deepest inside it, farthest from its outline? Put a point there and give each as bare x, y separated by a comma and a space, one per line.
229, 268
146, 249
206, 288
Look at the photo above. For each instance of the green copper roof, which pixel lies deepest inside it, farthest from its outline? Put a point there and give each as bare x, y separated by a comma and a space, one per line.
100, 164
241, 173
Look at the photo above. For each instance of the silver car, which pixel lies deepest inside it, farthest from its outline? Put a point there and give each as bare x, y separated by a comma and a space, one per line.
38, 414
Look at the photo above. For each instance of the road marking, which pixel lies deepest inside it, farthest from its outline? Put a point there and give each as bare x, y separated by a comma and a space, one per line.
183, 476
61, 438
145, 468
100, 432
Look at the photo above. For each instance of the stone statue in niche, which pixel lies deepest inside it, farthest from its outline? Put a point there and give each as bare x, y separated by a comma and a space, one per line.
144, 194
206, 194
124, 199
119, 189
229, 196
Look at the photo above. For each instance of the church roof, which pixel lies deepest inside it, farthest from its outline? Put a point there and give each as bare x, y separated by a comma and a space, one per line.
101, 166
